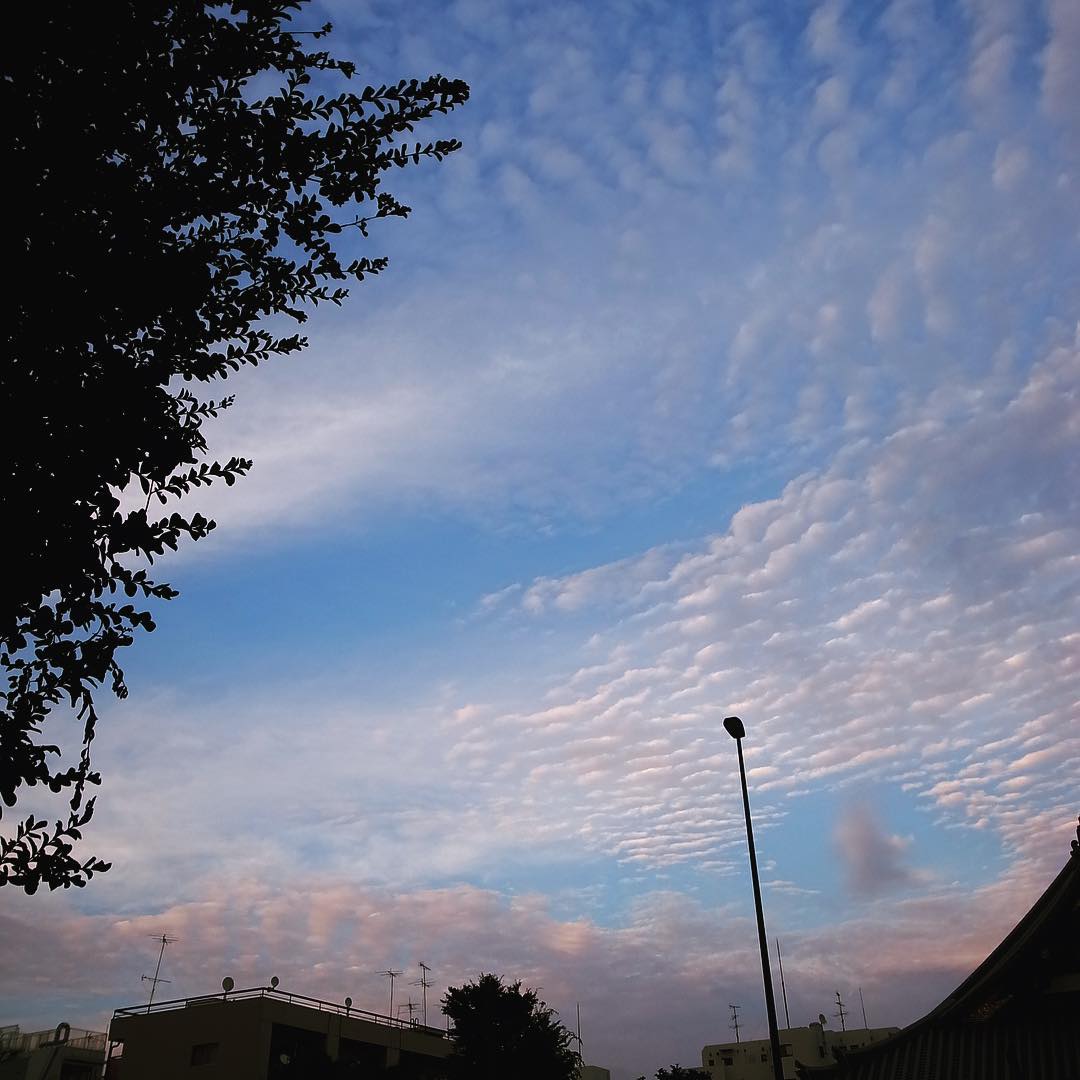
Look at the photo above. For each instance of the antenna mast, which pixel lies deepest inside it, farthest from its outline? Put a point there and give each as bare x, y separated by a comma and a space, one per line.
165, 940
735, 1020
391, 974
783, 988
863, 1005
423, 982
841, 1012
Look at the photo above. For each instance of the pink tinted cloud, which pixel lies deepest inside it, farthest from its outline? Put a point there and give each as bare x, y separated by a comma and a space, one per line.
653, 989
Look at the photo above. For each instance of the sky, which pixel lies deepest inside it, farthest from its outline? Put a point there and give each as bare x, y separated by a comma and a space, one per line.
731, 367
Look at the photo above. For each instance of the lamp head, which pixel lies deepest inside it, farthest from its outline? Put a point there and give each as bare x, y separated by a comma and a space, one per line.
734, 727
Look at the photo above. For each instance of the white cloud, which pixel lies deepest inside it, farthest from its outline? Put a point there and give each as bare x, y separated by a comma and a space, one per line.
915, 586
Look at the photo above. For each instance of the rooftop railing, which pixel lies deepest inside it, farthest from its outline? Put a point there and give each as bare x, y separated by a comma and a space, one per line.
76, 1038
275, 994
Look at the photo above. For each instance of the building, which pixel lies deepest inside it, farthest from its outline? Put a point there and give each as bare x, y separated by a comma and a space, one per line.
593, 1072
815, 1044
264, 1033
1016, 1016
62, 1053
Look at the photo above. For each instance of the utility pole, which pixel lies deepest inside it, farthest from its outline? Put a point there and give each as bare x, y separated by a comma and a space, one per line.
862, 1004
165, 940
841, 1012
783, 988
734, 1025
391, 974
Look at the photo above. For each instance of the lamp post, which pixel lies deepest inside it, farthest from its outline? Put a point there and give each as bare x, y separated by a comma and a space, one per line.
734, 727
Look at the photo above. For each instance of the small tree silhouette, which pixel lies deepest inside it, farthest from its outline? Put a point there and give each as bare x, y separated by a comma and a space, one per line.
501, 1030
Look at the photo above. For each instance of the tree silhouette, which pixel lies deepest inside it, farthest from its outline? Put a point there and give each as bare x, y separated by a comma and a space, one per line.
184, 178
501, 1030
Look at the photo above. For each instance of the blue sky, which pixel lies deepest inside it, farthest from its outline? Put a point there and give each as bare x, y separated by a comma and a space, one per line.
730, 367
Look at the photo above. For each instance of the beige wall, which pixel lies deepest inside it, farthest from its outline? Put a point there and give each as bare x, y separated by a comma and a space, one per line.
749, 1060
593, 1072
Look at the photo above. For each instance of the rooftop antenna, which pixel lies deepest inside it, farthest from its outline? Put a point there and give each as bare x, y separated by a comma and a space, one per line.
391, 974
165, 940
411, 1006
783, 988
863, 1006
841, 1012
423, 982
580, 1052
735, 1020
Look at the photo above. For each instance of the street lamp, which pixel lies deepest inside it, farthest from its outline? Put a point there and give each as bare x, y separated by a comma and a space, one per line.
734, 727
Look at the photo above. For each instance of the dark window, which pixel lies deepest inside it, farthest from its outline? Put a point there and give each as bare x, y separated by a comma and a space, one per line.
729, 1061
75, 1070
204, 1053
785, 1049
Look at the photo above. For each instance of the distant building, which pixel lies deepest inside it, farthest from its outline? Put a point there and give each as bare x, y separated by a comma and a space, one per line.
593, 1072
266, 1034
1016, 1016
62, 1053
816, 1044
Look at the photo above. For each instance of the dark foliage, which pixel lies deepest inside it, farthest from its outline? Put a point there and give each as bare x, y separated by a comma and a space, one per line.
501, 1030
164, 203
678, 1072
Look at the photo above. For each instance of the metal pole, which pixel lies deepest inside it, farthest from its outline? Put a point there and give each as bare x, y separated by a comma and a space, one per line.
766, 974
783, 986
157, 971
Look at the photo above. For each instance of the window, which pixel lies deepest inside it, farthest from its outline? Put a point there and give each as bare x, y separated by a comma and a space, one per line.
204, 1053
785, 1050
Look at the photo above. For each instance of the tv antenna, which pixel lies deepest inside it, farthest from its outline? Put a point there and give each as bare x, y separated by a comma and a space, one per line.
735, 1020
783, 988
391, 974
156, 978
422, 982
412, 1007
841, 1011
862, 1005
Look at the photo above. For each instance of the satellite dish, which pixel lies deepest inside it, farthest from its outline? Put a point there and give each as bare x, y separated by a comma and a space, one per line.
274, 980
821, 1019
348, 1003
227, 984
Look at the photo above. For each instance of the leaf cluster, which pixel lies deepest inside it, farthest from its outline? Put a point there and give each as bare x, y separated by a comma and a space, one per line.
178, 191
